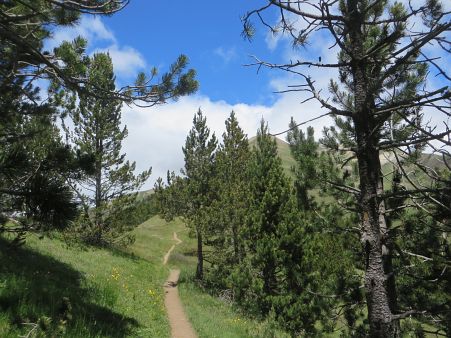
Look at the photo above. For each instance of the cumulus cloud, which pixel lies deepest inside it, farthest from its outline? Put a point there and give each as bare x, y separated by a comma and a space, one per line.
90, 27
127, 61
157, 135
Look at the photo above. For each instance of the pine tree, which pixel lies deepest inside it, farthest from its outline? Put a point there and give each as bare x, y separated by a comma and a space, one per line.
333, 285
199, 152
275, 273
34, 163
304, 150
27, 120
230, 207
269, 191
383, 67
27, 23
170, 196
282, 273
97, 131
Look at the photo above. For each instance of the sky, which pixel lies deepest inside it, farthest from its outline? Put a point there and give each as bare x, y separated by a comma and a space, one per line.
154, 33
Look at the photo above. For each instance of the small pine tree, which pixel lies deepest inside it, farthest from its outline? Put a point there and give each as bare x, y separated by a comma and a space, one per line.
199, 152
170, 196
97, 131
304, 150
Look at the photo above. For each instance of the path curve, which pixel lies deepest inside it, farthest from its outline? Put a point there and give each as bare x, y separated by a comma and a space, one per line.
166, 256
180, 326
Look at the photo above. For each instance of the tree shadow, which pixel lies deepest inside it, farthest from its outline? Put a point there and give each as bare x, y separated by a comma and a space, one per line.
33, 285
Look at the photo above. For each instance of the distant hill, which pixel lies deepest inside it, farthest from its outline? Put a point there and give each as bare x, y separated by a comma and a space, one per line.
283, 149
433, 161
144, 193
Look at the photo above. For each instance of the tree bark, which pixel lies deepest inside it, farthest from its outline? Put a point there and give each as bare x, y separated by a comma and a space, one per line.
379, 287
98, 187
200, 257
373, 226
387, 249
381, 319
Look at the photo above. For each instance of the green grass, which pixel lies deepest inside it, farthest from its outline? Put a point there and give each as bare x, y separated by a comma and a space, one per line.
433, 161
209, 315
112, 293
108, 291
154, 238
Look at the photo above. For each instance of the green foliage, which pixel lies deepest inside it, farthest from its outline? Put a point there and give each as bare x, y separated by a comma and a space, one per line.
423, 251
34, 162
376, 103
199, 152
143, 209
97, 132
170, 197
27, 23
305, 152
274, 274
231, 204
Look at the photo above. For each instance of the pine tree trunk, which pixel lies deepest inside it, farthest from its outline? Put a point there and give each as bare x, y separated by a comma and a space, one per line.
236, 248
374, 235
379, 295
380, 316
200, 257
98, 188
387, 250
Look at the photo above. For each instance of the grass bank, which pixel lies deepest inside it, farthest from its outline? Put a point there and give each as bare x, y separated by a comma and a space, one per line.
92, 292
98, 292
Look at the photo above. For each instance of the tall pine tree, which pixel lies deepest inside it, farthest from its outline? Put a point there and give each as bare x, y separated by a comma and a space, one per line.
382, 67
276, 274
231, 206
31, 148
97, 131
199, 152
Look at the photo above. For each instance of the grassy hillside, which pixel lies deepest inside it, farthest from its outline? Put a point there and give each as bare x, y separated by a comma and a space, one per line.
210, 316
283, 149
111, 293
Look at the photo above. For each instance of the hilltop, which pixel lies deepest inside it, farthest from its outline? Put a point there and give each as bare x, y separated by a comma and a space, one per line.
432, 161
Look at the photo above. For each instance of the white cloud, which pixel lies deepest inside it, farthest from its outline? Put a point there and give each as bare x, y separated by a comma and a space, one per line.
156, 135
226, 54
90, 27
127, 61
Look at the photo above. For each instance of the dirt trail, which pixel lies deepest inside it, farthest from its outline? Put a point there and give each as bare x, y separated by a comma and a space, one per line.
166, 256
180, 326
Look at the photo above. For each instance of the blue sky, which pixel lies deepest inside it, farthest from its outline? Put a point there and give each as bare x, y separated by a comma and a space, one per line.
153, 33
208, 32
